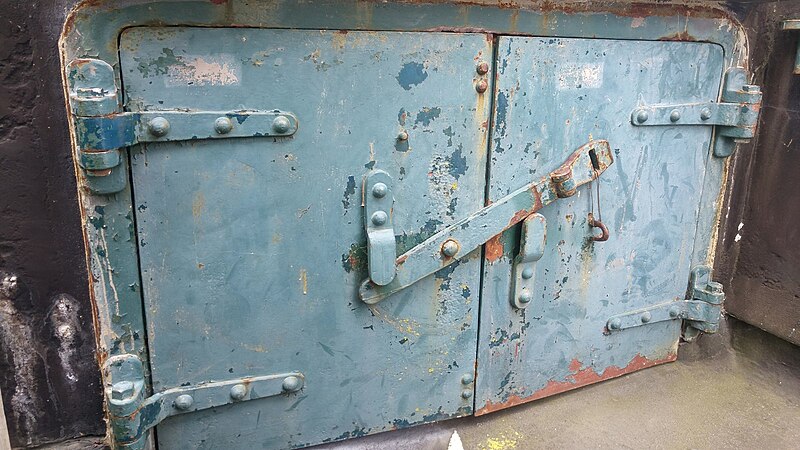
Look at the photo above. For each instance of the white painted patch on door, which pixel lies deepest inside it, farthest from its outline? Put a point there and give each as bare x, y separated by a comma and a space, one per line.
580, 76
208, 70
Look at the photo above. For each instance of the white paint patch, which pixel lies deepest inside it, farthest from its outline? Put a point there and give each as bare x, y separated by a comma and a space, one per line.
64, 317
580, 76
209, 70
455, 442
738, 235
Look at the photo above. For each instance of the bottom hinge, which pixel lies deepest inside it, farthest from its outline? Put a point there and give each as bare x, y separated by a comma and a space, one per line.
132, 414
700, 309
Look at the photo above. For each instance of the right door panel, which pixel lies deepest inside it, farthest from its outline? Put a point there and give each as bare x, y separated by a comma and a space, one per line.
553, 95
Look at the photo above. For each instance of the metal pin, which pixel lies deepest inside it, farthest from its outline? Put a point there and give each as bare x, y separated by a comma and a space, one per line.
675, 115
183, 402
158, 126
642, 116
483, 68
450, 248
379, 218
223, 125
281, 124
238, 392
402, 136
379, 190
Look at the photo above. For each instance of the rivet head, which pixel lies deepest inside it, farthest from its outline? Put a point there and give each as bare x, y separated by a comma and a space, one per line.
705, 114
281, 124
525, 296
527, 273
614, 324
238, 391
466, 393
467, 378
223, 125
645, 317
642, 116
483, 68
379, 218
450, 248
158, 126
402, 136
122, 390
184, 402
675, 115
674, 312
481, 86
291, 384
379, 190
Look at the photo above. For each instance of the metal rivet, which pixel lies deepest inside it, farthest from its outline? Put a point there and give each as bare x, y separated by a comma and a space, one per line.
379, 190
482, 86
450, 248
379, 218
184, 402
705, 113
158, 126
281, 124
527, 273
615, 323
402, 136
642, 116
223, 125
122, 390
525, 296
467, 378
674, 312
291, 383
466, 393
238, 391
483, 68
675, 115
645, 317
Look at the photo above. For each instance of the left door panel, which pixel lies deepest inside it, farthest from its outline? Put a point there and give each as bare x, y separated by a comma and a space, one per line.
252, 249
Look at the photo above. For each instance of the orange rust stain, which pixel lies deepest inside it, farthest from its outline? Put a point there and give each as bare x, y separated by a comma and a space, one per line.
518, 217
494, 249
578, 378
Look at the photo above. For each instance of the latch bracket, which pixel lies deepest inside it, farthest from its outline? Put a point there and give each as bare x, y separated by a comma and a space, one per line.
381, 247
132, 414
531, 250
700, 309
735, 116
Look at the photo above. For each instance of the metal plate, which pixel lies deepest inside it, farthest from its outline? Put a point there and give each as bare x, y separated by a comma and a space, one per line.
552, 95
252, 249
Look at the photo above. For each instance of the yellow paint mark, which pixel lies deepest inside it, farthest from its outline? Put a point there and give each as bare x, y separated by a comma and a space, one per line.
430, 369
198, 204
255, 348
338, 40
402, 325
503, 442
372, 151
276, 238
304, 280
454, 186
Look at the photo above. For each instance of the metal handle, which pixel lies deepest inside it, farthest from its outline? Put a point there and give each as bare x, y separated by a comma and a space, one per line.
594, 223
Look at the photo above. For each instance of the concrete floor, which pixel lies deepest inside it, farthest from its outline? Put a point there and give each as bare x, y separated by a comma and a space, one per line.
738, 389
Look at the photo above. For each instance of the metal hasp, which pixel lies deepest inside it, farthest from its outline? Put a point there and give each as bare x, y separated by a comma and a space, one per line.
102, 128
378, 202
531, 249
131, 414
459, 239
793, 25
735, 115
701, 308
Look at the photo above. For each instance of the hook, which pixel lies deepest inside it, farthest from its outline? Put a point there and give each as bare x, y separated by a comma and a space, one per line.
603, 229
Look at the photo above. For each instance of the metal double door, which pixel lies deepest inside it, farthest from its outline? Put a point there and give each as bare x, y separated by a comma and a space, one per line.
253, 249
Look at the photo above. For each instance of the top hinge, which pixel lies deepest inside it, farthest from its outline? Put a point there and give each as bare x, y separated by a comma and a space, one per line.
735, 115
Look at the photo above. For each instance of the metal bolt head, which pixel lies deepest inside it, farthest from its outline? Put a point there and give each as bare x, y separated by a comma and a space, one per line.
525, 296
483, 68
450, 248
402, 136
615, 323
482, 86
291, 384
158, 126
238, 392
675, 115
674, 312
645, 317
379, 190
281, 124
183, 402
122, 390
379, 218
466, 393
467, 378
642, 116
705, 113
527, 273
223, 125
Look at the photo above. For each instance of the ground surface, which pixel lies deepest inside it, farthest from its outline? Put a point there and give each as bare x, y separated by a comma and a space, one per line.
740, 389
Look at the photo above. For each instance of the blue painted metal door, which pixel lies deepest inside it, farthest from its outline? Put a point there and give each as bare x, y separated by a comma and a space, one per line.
553, 95
252, 249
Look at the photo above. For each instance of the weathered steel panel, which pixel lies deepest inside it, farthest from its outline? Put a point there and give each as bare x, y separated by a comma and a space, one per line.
252, 249
552, 95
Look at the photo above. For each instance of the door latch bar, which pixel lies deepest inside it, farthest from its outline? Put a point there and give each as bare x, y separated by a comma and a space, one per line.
735, 115
132, 414
462, 237
531, 250
701, 308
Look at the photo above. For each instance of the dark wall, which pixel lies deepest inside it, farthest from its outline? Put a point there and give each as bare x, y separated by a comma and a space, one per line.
758, 256
50, 381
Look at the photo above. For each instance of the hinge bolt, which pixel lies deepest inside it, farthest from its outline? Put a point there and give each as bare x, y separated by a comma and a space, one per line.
527, 273
184, 402
450, 248
615, 323
674, 312
379, 190
645, 317
379, 218
525, 296
483, 68
122, 390
466, 393
705, 114
281, 124
238, 392
158, 126
482, 86
467, 378
642, 116
223, 125
291, 384
675, 115
402, 136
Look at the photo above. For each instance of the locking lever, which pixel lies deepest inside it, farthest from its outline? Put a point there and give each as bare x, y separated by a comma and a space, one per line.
464, 236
